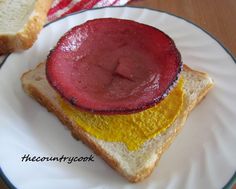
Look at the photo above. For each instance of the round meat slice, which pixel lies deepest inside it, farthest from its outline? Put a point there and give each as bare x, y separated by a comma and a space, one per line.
114, 66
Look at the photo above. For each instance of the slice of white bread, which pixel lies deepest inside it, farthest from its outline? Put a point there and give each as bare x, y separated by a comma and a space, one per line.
134, 165
20, 23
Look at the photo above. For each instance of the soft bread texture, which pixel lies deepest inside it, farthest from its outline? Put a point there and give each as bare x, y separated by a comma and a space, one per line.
20, 23
134, 165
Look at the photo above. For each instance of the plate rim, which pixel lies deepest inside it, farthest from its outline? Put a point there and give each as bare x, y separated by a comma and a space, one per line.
233, 178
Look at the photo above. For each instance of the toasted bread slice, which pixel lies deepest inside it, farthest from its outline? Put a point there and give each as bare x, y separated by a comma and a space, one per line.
20, 22
134, 165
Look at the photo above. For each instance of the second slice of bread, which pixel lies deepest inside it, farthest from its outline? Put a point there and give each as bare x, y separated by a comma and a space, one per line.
20, 23
134, 165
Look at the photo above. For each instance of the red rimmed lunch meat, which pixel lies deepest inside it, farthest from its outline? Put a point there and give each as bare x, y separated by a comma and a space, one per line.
114, 66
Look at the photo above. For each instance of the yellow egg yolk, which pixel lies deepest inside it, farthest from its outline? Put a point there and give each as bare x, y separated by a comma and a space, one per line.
133, 129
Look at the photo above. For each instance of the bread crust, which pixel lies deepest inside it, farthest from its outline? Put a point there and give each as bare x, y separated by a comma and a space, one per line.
26, 37
79, 133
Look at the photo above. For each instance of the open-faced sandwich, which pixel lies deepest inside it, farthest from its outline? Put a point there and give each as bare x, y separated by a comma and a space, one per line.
120, 87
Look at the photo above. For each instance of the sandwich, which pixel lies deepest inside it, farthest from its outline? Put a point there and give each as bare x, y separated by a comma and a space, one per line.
21, 22
121, 88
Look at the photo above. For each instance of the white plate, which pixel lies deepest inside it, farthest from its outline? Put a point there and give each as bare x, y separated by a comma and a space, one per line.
202, 156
